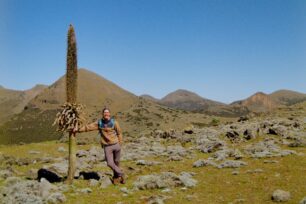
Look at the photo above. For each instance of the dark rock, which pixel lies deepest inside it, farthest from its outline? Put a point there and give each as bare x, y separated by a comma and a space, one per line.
243, 118
248, 134
233, 136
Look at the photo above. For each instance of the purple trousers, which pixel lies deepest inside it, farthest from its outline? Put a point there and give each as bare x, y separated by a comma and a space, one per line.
112, 157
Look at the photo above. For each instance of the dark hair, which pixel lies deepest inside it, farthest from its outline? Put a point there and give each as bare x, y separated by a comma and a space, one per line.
104, 109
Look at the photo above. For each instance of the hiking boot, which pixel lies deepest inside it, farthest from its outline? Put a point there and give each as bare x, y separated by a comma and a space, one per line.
116, 181
122, 179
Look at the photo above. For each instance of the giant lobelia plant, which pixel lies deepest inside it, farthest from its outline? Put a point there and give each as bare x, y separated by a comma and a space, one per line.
70, 117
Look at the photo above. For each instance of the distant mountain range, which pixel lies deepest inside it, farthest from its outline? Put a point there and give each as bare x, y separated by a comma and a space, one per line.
259, 102
27, 116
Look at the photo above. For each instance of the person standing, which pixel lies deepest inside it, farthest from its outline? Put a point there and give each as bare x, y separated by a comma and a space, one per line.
111, 140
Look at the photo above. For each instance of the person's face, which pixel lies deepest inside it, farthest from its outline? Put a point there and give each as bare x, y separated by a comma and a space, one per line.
106, 114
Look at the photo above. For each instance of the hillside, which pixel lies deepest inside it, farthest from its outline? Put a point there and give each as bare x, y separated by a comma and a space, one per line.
259, 156
13, 101
259, 102
287, 97
34, 123
94, 91
187, 100
136, 114
149, 97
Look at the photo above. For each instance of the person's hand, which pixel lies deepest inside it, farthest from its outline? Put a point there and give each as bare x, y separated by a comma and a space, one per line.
75, 130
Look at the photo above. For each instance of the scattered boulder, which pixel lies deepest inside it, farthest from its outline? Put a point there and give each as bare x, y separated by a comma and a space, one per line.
266, 148
21, 191
97, 154
81, 153
34, 152
93, 182
303, 201
147, 163
61, 149
155, 199
5, 173
231, 164
60, 168
175, 158
176, 151
32, 174
280, 196
57, 197
233, 136
299, 142
202, 162
45, 187
124, 190
187, 180
24, 161
248, 134
163, 180
278, 130
86, 190
254, 171
243, 119
105, 182
188, 130
270, 161
225, 153
165, 134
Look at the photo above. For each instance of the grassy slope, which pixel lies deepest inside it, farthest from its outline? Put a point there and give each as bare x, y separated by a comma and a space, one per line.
288, 97
20, 127
13, 102
215, 185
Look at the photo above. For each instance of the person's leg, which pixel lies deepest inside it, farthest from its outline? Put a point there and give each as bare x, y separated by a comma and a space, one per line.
115, 173
117, 151
109, 157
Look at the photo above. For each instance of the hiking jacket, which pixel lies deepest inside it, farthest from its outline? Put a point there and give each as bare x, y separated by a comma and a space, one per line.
110, 131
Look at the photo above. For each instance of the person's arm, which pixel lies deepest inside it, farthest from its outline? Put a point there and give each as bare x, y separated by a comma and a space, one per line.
119, 133
89, 127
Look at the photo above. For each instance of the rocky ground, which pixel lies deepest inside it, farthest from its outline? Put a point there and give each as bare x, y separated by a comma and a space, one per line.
253, 160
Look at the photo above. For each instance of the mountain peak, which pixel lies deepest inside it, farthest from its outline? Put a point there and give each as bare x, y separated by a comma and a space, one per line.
94, 91
258, 102
287, 97
260, 93
182, 95
149, 97
38, 87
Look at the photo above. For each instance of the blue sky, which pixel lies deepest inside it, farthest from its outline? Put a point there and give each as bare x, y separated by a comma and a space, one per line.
222, 50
